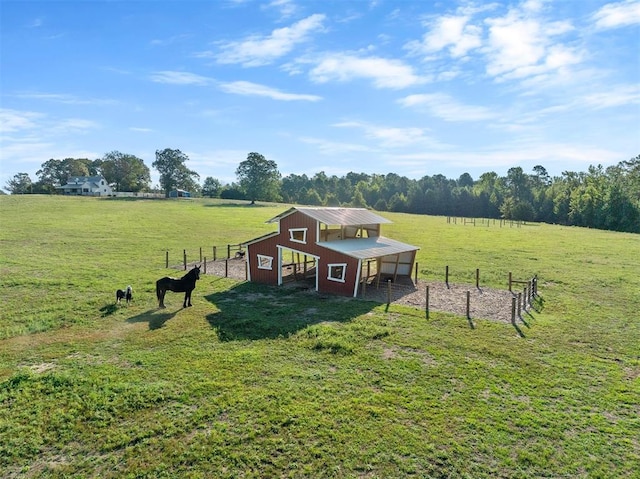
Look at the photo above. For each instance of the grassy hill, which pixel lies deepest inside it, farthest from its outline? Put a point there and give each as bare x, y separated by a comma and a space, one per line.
255, 381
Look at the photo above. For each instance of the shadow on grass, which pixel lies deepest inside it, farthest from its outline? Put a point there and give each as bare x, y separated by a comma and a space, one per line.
155, 317
240, 204
254, 311
108, 309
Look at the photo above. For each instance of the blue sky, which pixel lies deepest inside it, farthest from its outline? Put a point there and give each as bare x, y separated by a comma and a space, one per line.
410, 87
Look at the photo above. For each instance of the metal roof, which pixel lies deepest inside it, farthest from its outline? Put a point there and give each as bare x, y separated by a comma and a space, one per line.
365, 248
336, 216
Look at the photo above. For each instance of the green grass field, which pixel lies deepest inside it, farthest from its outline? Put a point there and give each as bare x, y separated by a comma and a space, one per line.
254, 381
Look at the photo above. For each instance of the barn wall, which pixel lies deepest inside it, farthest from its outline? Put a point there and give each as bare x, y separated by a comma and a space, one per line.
269, 247
266, 247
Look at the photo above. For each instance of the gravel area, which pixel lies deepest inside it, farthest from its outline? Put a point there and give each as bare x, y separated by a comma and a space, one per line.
484, 303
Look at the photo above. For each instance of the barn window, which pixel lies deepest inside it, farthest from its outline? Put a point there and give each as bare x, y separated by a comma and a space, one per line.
298, 235
265, 262
337, 272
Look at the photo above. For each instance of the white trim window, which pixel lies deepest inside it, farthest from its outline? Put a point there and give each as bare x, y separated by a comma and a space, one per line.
298, 235
337, 272
265, 262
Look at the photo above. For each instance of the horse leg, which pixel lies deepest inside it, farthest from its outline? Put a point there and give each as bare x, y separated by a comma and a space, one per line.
160, 293
187, 297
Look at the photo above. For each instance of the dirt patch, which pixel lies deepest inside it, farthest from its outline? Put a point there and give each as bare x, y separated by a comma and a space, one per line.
484, 303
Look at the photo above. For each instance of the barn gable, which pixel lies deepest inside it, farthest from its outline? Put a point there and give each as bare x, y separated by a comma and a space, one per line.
330, 245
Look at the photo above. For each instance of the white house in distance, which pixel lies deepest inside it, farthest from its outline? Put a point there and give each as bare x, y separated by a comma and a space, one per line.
86, 186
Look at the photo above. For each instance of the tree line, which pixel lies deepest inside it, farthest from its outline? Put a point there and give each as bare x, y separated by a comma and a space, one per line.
604, 198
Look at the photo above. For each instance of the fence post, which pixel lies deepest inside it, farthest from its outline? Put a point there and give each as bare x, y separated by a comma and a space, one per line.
167, 259
427, 306
201, 254
184, 257
519, 300
477, 278
510, 278
468, 305
228, 251
446, 275
524, 298
513, 310
214, 253
205, 265
246, 271
388, 293
416, 274
226, 268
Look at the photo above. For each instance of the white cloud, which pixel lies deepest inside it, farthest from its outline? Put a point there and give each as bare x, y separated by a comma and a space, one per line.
447, 108
619, 14
385, 73
14, 120
254, 89
64, 98
163, 42
287, 8
263, 50
450, 31
179, 78
620, 95
391, 137
328, 147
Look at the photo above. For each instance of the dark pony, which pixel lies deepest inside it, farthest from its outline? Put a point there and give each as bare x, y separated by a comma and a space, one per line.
185, 285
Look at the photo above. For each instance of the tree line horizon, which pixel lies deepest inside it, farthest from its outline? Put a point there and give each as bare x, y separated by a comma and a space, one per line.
603, 198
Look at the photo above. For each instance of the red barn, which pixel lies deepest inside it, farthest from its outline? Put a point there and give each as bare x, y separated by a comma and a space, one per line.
338, 247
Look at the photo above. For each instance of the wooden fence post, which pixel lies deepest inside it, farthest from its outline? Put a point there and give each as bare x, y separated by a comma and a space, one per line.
510, 278
468, 305
201, 254
228, 251
446, 275
167, 259
388, 293
427, 305
477, 278
513, 310
416, 274
226, 268
184, 257
205, 265
519, 302
214, 253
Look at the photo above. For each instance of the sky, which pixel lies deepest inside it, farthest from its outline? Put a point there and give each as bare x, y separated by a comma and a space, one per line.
414, 88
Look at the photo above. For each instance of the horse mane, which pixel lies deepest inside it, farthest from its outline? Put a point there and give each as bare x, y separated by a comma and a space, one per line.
192, 272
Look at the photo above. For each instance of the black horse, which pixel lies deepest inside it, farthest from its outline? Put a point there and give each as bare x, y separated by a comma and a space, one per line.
185, 285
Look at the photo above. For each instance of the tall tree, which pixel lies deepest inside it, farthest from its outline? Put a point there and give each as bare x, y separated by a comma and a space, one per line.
211, 187
259, 178
20, 184
126, 172
57, 172
173, 171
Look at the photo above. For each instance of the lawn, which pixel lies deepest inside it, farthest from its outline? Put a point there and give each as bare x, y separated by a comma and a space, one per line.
255, 381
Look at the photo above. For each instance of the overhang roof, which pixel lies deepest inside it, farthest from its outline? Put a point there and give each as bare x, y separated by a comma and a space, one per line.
366, 248
336, 216
260, 238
